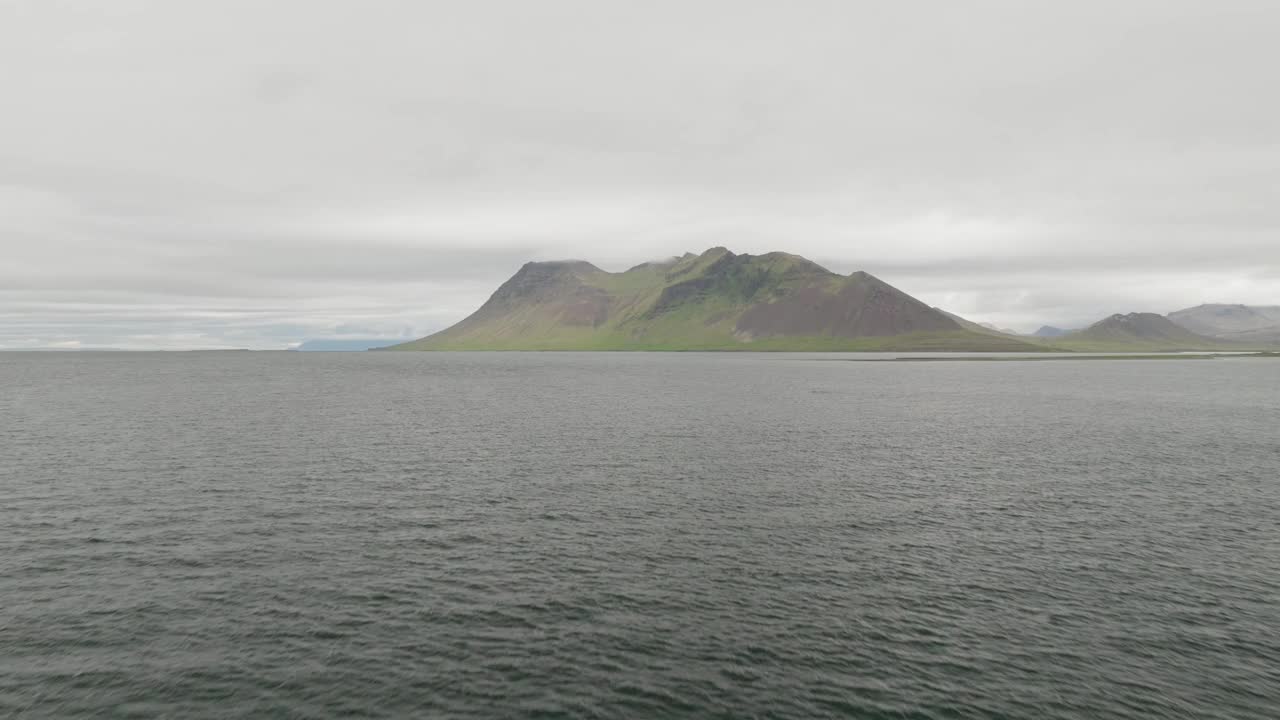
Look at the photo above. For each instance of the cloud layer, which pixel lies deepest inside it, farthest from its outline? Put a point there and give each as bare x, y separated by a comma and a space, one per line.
192, 174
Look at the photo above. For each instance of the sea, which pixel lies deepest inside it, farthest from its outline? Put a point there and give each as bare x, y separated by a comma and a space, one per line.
637, 535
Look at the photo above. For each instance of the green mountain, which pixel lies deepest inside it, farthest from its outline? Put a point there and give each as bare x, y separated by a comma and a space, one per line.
714, 301
1139, 332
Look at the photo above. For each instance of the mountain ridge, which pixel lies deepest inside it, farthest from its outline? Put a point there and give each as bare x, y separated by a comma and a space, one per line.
1235, 322
1139, 331
716, 300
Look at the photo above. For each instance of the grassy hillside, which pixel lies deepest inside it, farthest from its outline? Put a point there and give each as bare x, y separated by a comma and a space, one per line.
713, 301
958, 341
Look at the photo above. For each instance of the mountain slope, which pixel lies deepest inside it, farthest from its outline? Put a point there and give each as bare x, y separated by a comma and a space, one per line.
714, 301
1139, 332
1242, 323
984, 328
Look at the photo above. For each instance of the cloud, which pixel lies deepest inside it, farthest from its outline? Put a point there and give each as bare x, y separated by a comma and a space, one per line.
180, 173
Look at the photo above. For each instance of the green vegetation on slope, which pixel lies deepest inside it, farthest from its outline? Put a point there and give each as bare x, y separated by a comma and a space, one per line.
959, 341
713, 301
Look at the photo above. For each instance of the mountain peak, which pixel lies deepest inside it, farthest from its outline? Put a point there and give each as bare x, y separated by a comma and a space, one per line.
535, 281
1237, 322
717, 300
1131, 318
558, 266
1138, 322
1140, 330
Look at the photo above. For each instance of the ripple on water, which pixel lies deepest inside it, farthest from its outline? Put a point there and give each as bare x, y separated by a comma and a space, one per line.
564, 535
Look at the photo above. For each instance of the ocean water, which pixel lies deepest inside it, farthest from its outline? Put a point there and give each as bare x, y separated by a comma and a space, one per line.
637, 535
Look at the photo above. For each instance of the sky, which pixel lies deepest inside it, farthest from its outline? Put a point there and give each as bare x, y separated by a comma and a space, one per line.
178, 174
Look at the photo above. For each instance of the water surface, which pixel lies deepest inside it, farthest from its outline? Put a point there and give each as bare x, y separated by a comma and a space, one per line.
637, 535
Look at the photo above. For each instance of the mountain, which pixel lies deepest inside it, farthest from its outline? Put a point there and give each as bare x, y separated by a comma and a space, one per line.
1241, 323
1139, 332
344, 345
714, 301
1048, 331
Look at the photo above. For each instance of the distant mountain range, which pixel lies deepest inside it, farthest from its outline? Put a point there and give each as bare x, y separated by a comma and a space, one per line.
1241, 323
1206, 327
719, 300
1138, 331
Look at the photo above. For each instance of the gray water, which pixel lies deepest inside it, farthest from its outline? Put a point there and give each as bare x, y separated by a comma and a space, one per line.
637, 535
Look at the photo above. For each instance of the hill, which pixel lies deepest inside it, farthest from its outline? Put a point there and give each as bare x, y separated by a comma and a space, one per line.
714, 301
1242, 323
1139, 332
1049, 331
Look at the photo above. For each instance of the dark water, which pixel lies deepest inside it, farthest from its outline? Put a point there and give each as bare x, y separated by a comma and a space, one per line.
637, 535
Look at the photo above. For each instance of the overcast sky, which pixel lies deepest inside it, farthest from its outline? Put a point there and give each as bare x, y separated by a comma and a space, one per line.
180, 174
